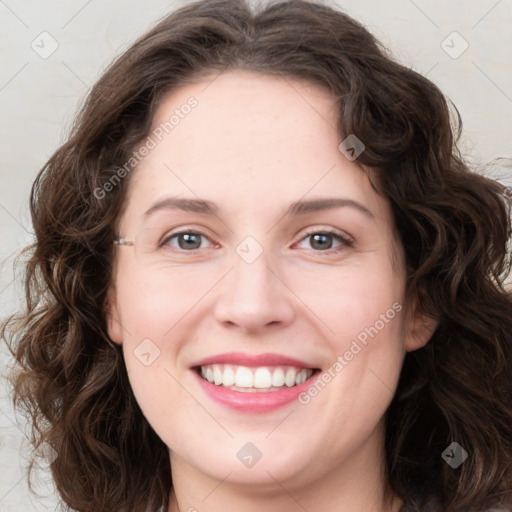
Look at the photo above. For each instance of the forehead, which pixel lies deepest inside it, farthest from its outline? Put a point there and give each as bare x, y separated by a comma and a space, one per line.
250, 141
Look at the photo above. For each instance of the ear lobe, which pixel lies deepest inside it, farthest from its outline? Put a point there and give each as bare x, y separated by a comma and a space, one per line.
420, 331
114, 329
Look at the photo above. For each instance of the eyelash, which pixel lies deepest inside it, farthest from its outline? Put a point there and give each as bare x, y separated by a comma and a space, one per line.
344, 239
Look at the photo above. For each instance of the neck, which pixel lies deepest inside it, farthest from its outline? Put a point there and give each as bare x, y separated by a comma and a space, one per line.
358, 483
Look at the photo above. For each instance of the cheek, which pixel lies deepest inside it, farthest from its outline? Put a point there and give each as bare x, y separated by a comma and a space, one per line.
151, 313
153, 303
362, 314
367, 350
158, 312
349, 300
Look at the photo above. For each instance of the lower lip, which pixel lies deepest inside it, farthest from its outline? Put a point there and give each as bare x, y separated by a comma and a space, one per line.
253, 401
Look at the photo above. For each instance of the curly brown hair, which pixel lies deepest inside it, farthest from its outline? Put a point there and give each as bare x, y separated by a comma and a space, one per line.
453, 223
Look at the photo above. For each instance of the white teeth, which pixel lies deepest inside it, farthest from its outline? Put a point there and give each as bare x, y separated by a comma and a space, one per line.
244, 377
301, 377
268, 378
262, 378
229, 377
278, 378
217, 376
289, 380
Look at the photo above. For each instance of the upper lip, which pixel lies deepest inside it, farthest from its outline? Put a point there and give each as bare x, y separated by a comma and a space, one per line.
243, 359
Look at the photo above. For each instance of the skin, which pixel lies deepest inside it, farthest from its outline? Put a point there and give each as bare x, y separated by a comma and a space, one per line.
253, 145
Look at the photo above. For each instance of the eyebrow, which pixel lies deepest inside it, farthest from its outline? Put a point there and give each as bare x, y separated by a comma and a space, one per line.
300, 207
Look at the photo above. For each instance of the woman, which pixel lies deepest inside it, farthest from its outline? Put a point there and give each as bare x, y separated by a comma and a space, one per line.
265, 279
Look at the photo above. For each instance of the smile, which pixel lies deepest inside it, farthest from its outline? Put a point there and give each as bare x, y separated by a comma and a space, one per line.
253, 383
247, 379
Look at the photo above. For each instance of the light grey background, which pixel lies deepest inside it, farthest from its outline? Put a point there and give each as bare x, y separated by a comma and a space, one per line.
39, 97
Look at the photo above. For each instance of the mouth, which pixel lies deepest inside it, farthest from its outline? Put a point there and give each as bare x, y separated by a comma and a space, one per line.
261, 379
253, 383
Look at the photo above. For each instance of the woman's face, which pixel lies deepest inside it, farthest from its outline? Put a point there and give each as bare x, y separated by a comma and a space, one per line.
292, 269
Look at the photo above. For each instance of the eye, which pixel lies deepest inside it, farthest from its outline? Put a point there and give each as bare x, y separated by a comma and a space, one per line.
324, 240
186, 240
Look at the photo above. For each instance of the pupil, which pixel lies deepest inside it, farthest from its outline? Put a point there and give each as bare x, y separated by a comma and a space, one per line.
189, 241
321, 241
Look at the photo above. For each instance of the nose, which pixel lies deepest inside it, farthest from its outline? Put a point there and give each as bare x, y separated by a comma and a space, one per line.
254, 297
